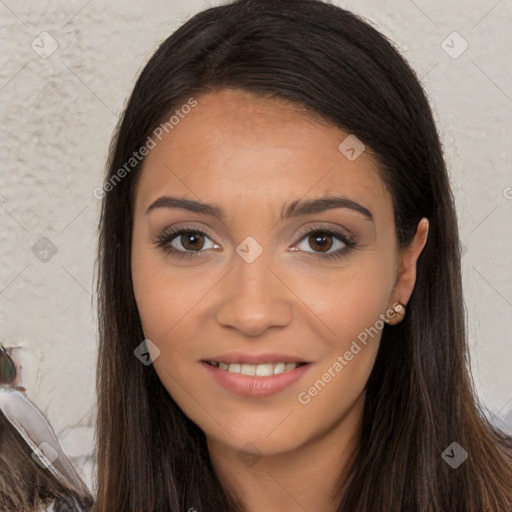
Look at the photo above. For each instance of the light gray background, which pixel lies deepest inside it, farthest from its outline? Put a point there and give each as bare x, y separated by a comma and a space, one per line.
58, 113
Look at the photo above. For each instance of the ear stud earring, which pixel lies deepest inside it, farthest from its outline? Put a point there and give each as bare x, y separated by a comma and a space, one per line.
398, 314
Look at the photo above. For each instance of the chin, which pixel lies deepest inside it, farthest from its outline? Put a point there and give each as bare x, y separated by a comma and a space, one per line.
263, 439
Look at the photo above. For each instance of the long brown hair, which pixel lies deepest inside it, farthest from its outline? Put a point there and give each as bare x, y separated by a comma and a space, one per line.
420, 397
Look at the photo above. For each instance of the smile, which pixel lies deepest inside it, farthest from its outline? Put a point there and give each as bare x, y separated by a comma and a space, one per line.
258, 370
255, 380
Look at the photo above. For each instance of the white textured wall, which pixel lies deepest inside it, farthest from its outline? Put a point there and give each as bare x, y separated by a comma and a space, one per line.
58, 112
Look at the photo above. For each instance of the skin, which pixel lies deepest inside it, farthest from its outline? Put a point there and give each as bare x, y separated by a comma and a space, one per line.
253, 157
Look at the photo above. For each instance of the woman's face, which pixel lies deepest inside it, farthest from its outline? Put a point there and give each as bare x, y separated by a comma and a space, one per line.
263, 282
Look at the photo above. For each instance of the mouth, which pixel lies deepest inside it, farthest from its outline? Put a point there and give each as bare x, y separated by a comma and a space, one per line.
257, 370
256, 379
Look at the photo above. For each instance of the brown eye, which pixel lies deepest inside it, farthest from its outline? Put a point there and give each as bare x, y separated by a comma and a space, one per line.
326, 243
191, 241
184, 242
320, 242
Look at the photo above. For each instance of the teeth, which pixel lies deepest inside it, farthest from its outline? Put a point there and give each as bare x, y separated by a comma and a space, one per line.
279, 368
264, 370
248, 369
233, 368
259, 370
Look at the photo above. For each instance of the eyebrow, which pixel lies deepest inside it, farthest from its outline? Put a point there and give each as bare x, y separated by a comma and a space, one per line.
295, 209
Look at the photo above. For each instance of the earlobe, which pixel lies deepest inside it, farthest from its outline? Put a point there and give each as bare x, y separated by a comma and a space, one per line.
406, 277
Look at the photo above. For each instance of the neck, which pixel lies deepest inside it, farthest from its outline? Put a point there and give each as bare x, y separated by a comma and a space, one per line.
305, 478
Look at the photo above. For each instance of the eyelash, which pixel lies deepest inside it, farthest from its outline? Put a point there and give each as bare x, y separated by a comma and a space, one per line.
164, 239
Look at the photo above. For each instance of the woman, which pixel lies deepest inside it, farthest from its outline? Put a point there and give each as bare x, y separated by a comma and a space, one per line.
281, 310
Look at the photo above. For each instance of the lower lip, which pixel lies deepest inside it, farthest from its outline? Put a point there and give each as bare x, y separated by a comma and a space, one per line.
252, 386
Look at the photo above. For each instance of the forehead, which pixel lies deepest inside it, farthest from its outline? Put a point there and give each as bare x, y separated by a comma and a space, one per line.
235, 143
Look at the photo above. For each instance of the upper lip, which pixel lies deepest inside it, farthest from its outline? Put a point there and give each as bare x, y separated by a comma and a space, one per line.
256, 358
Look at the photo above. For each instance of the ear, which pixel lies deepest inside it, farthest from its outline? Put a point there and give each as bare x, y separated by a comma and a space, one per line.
406, 277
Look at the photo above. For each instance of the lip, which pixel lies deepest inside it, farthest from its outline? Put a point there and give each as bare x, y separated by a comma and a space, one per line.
259, 358
252, 386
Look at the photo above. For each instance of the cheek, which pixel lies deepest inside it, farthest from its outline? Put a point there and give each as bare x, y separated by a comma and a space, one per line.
351, 309
165, 295
346, 308
343, 302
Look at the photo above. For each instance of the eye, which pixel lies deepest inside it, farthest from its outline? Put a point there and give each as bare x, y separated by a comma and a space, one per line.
184, 242
322, 240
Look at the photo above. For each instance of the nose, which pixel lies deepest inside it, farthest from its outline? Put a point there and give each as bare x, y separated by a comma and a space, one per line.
254, 298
